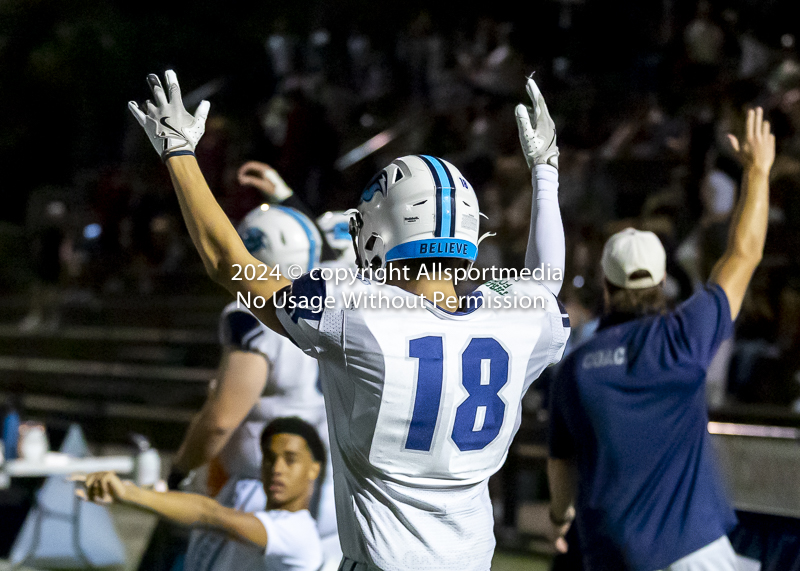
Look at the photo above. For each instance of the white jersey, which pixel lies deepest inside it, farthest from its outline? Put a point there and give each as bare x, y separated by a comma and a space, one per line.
293, 542
292, 389
422, 405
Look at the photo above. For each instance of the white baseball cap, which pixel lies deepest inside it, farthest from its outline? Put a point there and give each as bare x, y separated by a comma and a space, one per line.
631, 251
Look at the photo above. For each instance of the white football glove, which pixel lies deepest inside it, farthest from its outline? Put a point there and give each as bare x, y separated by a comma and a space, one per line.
172, 130
537, 131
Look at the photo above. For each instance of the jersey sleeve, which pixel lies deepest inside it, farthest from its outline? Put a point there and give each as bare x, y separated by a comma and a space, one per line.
699, 325
561, 330
241, 331
291, 537
310, 313
541, 299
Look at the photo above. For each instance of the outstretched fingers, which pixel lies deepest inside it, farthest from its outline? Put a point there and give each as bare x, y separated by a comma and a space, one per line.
202, 111
758, 147
173, 87
158, 91
523, 114
137, 112
734, 143
536, 98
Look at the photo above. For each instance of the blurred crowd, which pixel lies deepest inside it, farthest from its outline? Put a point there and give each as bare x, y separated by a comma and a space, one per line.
641, 133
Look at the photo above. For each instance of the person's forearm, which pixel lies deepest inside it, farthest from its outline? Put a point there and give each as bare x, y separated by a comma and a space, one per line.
562, 477
212, 233
748, 229
179, 507
199, 511
546, 238
747, 234
204, 441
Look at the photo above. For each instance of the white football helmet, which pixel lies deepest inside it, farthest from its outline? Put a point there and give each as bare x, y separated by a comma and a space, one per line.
417, 207
336, 228
281, 236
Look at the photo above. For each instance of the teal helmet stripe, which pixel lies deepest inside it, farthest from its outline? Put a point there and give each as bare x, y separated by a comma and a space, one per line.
445, 196
451, 196
305, 224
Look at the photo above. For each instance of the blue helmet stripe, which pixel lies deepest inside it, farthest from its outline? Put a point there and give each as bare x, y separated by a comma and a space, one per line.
437, 175
444, 197
451, 194
304, 224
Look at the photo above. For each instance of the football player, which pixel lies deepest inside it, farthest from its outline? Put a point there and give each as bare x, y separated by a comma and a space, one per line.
262, 376
423, 397
281, 536
335, 226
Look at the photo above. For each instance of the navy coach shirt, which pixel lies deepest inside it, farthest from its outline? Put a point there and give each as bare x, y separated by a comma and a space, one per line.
629, 406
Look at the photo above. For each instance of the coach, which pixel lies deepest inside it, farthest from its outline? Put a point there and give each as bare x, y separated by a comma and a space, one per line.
629, 447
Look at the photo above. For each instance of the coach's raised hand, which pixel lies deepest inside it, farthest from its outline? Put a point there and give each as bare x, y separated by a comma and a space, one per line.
757, 151
748, 227
172, 130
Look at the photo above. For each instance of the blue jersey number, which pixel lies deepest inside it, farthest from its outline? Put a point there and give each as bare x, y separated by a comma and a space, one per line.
480, 417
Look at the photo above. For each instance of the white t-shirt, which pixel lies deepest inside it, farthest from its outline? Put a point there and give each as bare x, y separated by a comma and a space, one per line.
422, 407
293, 542
292, 389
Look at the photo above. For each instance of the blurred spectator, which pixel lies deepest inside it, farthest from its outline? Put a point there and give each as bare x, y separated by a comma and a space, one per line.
47, 229
642, 95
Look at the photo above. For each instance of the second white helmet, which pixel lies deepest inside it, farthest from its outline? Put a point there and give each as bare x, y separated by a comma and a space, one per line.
335, 225
417, 207
281, 236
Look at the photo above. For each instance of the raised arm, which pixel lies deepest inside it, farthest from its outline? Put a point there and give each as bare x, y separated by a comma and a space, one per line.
240, 381
748, 228
185, 509
537, 134
269, 182
174, 134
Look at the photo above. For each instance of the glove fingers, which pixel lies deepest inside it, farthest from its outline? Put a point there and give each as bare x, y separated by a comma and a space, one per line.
173, 88
134, 108
151, 109
536, 98
533, 90
522, 114
158, 91
202, 111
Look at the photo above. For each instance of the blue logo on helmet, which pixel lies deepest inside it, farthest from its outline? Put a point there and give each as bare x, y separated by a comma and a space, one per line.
341, 231
254, 239
377, 184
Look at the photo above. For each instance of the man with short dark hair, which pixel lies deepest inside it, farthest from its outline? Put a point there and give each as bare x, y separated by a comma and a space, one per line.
283, 537
628, 430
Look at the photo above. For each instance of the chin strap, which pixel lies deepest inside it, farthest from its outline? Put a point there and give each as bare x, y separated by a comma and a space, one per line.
354, 228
